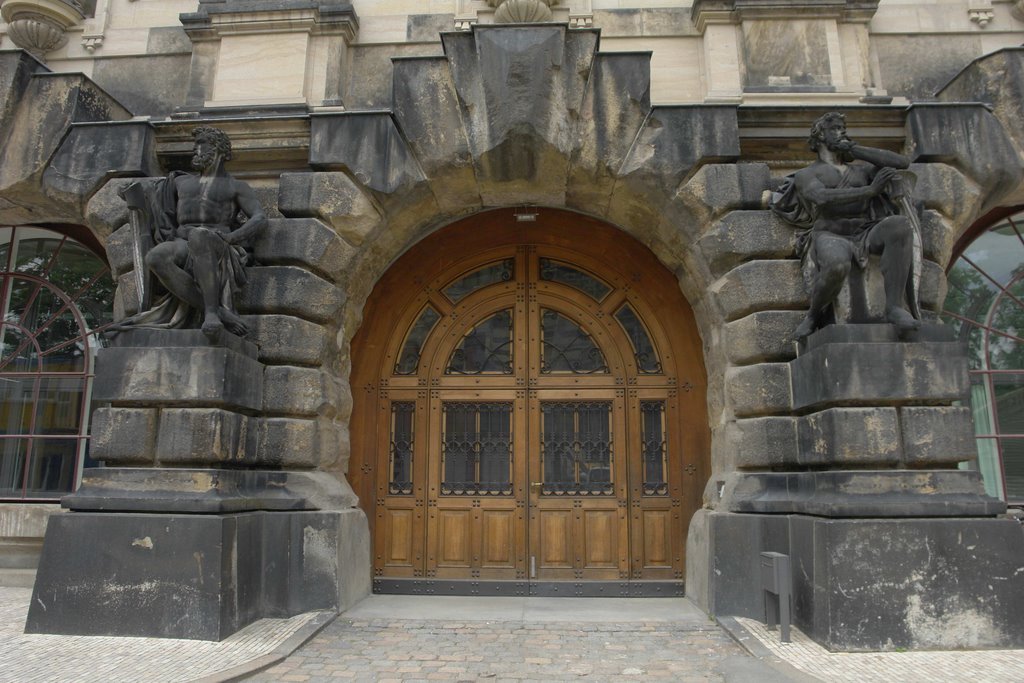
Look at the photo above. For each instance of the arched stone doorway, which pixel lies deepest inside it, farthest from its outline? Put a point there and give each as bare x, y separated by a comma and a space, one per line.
529, 409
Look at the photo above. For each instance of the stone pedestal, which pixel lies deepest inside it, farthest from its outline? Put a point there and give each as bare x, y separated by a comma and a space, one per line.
891, 545
870, 584
207, 535
200, 577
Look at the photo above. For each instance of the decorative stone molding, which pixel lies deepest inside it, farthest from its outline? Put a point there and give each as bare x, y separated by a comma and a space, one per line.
521, 11
1017, 9
980, 12
40, 26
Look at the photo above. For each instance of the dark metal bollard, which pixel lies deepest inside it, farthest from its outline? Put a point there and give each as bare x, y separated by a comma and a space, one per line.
777, 587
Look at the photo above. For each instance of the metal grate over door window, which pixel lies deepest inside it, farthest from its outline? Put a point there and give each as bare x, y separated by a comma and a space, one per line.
403, 422
477, 449
576, 448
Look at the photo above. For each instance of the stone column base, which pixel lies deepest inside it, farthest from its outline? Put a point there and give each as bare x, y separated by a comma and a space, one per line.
199, 577
869, 584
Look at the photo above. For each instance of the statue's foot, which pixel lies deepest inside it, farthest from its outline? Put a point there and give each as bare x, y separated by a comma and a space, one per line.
212, 325
807, 325
233, 322
902, 319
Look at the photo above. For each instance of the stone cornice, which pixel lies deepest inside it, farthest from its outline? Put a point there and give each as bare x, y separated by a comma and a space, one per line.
217, 18
704, 12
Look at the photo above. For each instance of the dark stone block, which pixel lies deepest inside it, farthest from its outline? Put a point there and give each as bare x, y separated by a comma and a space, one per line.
937, 435
206, 436
179, 490
306, 242
876, 584
876, 334
862, 493
179, 376
291, 291
970, 138
142, 337
367, 144
199, 577
617, 100
879, 373
853, 437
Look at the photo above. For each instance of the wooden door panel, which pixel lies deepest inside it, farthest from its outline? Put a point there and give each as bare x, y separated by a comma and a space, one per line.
554, 538
498, 539
600, 539
657, 547
454, 534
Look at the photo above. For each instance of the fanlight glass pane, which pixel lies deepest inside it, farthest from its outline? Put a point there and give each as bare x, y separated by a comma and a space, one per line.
409, 359
654, 448
1005, 352
490, 274
576, 448
486, 349
18, 352
567, 348
647, 360
402, 439
477, 449
574, 277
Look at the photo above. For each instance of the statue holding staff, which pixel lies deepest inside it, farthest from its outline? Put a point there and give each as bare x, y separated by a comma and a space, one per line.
191, 231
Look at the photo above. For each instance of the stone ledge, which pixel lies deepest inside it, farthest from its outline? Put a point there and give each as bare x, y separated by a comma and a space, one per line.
862, 493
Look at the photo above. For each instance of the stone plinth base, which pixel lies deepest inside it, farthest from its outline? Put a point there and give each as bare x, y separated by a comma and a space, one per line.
200, 577
867, 493
869, 584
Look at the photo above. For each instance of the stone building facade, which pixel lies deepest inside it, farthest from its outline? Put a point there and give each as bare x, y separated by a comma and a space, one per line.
402, 149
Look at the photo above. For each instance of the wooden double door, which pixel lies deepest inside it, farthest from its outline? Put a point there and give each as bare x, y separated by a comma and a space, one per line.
527, 420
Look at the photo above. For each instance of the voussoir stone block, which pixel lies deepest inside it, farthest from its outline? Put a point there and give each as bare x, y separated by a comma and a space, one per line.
119, 250
306, 242
719, 188
198, 436
850, 436
743, 236
760, 285
760, 389
123, 436
937, 435
763, 442
290, 390
287, 339
178, 376
765, 336
334, 199
297, 443
292, 291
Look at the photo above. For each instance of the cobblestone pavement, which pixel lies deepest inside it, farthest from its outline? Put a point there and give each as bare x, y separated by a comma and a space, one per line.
981, 666
533, 646
26, 658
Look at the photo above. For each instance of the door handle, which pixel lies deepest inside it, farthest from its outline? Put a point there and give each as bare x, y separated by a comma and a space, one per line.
536, 486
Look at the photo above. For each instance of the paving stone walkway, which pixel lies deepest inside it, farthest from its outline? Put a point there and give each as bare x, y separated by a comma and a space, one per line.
28, 658
978, 666
554, 640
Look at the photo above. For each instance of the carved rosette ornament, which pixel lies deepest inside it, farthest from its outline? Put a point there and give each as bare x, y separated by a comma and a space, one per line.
40, 26
521, 11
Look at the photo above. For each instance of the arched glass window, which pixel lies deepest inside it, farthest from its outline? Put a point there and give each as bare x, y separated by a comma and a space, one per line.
55, 296
985, 304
